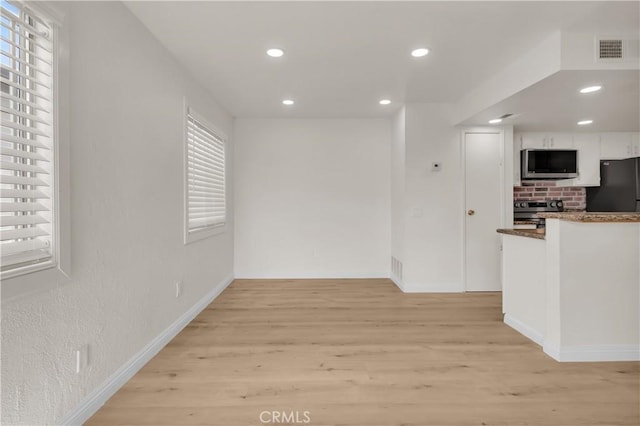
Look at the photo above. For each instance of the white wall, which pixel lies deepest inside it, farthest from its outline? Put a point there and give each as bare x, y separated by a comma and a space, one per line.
126, 128
579, 51
433, 215
534, 65
312, 197
398, 171
430, 240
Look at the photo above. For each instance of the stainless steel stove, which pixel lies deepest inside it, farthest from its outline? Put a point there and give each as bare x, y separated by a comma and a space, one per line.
527, 210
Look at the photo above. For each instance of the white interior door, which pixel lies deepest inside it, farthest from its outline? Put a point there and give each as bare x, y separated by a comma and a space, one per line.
483, 204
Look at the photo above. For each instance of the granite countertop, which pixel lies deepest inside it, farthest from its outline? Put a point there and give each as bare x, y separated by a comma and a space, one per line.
601, 217
530, 233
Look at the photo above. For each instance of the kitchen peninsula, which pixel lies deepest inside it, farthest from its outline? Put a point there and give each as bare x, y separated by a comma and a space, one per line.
574, 289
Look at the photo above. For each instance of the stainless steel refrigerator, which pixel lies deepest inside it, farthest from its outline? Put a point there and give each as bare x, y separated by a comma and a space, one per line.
619, 189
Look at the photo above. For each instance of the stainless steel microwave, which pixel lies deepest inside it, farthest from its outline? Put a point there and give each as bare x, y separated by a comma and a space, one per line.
549, 163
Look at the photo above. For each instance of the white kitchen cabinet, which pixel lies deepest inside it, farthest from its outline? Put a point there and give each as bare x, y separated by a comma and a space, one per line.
533, 140
588, 146
516, 162
560, 141
539, 140
619, 145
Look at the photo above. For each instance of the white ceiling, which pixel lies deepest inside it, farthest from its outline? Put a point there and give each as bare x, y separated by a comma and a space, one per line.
342, 57
556, 104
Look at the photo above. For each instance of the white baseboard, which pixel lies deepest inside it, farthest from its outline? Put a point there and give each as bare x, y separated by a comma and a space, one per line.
96, 399
524, 329
593, 353
396, 281
596, 353
311, 276
432, 288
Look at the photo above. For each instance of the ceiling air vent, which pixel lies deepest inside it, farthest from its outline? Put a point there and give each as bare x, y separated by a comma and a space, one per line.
610, 50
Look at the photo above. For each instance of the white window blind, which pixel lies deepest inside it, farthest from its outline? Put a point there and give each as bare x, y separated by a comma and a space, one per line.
206, 197
27, 231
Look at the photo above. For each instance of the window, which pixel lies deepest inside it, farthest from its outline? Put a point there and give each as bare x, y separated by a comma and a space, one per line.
205, 194
28, 170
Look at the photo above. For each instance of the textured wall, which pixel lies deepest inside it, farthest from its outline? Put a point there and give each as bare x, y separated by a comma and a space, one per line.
312, 197
126, 128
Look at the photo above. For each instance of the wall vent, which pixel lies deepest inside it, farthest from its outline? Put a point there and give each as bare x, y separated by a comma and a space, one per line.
610, 50
396, 268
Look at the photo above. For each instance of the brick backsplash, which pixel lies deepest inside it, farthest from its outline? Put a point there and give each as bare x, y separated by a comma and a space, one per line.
574, 197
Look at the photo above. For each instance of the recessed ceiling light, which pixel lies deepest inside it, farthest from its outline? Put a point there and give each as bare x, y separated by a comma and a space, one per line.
418, 53
385, 102
590, 89
288, 102
495, 121
275, 53
584, 122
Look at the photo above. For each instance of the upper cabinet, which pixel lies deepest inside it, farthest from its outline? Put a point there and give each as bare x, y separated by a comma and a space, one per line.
588, 146
541, 140
535, 140
561, 141
619, 145
591, 147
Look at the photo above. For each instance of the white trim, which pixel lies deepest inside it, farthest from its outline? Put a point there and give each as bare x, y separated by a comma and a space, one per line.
397, 282
196, 235
204, 121
433, 287
524, 329
595, 353
51, 11
312, 276
53, 260
46, 276
201, 234
96, 399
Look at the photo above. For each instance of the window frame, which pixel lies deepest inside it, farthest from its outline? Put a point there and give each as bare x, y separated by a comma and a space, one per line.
199, 234
42, 276
52, 261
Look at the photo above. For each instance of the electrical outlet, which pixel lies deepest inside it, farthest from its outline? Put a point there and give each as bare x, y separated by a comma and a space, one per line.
178, 289
82, 358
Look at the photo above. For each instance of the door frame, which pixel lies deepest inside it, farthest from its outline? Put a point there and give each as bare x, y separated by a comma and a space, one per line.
506, 184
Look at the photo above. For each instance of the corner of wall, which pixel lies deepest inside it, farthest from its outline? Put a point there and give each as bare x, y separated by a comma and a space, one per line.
538, 63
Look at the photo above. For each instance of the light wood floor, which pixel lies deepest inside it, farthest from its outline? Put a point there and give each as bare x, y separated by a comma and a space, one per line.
360, 352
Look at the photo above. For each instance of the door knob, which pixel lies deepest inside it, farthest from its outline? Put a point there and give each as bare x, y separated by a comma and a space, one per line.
471, 212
